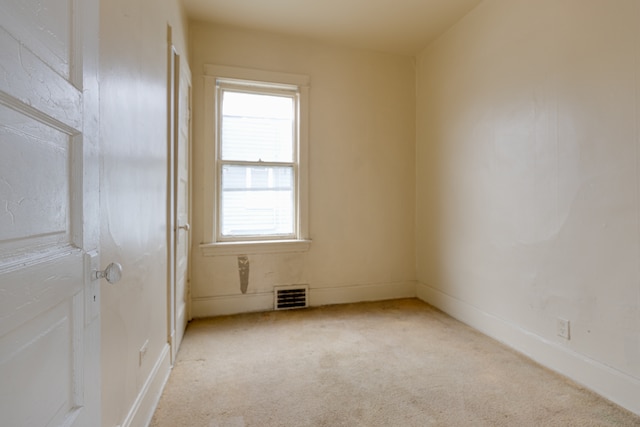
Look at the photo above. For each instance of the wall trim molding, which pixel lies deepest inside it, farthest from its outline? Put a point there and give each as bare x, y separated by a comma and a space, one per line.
610, 383
244, 73
225, 305
145, 404
257, 247
263, 301
362, 292
212, 92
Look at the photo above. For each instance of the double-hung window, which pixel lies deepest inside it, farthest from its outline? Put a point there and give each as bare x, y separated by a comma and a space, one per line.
257, 137
259, 161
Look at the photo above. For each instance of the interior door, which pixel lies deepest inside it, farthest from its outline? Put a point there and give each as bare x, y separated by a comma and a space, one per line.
182, 199
49, 213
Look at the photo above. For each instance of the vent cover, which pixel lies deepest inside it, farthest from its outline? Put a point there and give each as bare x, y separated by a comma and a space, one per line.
288, 297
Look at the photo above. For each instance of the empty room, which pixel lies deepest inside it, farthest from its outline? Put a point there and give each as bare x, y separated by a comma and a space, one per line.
297, 213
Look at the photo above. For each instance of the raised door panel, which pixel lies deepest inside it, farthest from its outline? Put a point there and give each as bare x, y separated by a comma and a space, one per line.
37, 390
37, 211
47, 33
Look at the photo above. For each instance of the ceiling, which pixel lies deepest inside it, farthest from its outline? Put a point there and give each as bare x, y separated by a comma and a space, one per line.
395, 26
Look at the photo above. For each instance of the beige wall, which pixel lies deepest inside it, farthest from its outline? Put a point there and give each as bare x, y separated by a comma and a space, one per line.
524, 159
528, 182
362, 180
133, 201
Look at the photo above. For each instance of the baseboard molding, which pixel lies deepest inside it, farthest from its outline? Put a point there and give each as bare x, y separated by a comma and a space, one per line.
359, 293
145, 404
610, 383
231, 304
247, 303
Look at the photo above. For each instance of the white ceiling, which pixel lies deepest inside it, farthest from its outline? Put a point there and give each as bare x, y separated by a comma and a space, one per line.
397, 26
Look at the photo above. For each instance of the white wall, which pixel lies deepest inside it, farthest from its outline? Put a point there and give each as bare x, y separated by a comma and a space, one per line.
134, 201
528, 182
362, 178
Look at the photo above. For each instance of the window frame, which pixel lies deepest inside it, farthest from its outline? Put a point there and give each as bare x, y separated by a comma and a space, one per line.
238, 86
216, 77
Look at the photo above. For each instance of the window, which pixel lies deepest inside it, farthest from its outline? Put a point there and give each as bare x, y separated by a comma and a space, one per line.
257, 138
257, 144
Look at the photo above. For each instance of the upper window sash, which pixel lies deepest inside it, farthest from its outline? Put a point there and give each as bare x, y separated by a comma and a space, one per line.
286, 91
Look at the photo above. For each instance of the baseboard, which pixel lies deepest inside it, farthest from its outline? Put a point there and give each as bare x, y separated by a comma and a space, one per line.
231, 304
359, 293
247, 303
610, 383
145, 404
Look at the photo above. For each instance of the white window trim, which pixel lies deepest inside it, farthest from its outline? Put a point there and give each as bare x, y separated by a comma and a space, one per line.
209, 245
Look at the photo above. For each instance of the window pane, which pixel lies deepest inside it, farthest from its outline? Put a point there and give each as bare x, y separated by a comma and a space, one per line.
257, 127
257, 201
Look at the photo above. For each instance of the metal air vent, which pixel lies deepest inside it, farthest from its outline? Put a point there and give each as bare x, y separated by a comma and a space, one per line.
288, 297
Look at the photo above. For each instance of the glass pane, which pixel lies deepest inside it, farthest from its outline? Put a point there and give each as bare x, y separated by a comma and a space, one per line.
257, 127
257, 201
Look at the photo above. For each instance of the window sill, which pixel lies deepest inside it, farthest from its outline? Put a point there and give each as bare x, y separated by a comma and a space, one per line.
256, 247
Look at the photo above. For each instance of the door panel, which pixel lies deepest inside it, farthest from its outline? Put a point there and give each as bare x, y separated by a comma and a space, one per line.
52, 382
31, 85
49, 348
36, 210
47, 34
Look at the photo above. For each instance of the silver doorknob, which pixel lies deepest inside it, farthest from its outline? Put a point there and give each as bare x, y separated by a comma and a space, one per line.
112, 273
185, 227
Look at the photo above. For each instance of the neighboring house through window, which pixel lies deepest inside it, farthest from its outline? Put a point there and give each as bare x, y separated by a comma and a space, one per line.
257, 139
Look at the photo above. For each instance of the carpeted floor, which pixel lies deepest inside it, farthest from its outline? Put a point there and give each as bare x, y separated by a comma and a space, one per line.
390, 363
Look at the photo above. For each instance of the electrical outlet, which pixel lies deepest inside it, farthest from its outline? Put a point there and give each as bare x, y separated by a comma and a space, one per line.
563, 328
143, 351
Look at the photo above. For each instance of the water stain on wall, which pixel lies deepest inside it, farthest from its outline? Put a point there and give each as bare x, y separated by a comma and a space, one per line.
243, 269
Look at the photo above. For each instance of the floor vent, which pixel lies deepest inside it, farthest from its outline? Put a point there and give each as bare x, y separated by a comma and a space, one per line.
288, 297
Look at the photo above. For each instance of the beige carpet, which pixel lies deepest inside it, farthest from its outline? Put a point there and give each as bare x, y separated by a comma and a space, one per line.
390, 363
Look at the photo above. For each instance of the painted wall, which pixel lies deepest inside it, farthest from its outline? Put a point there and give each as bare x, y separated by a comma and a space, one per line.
528, 182
134, 201
362, 179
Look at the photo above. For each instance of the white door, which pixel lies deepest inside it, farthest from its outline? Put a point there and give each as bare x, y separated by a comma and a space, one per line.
49, 213
182, 198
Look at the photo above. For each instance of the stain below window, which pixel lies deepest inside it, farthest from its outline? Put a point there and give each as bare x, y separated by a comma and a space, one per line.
243, 269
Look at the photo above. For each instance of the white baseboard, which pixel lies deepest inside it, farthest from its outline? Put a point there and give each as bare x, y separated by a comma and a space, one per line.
610, 383
145, 404
235, 304
359, 293
231, 304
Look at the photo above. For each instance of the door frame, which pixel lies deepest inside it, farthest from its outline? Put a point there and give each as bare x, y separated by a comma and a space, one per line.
171, 193
174, 70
